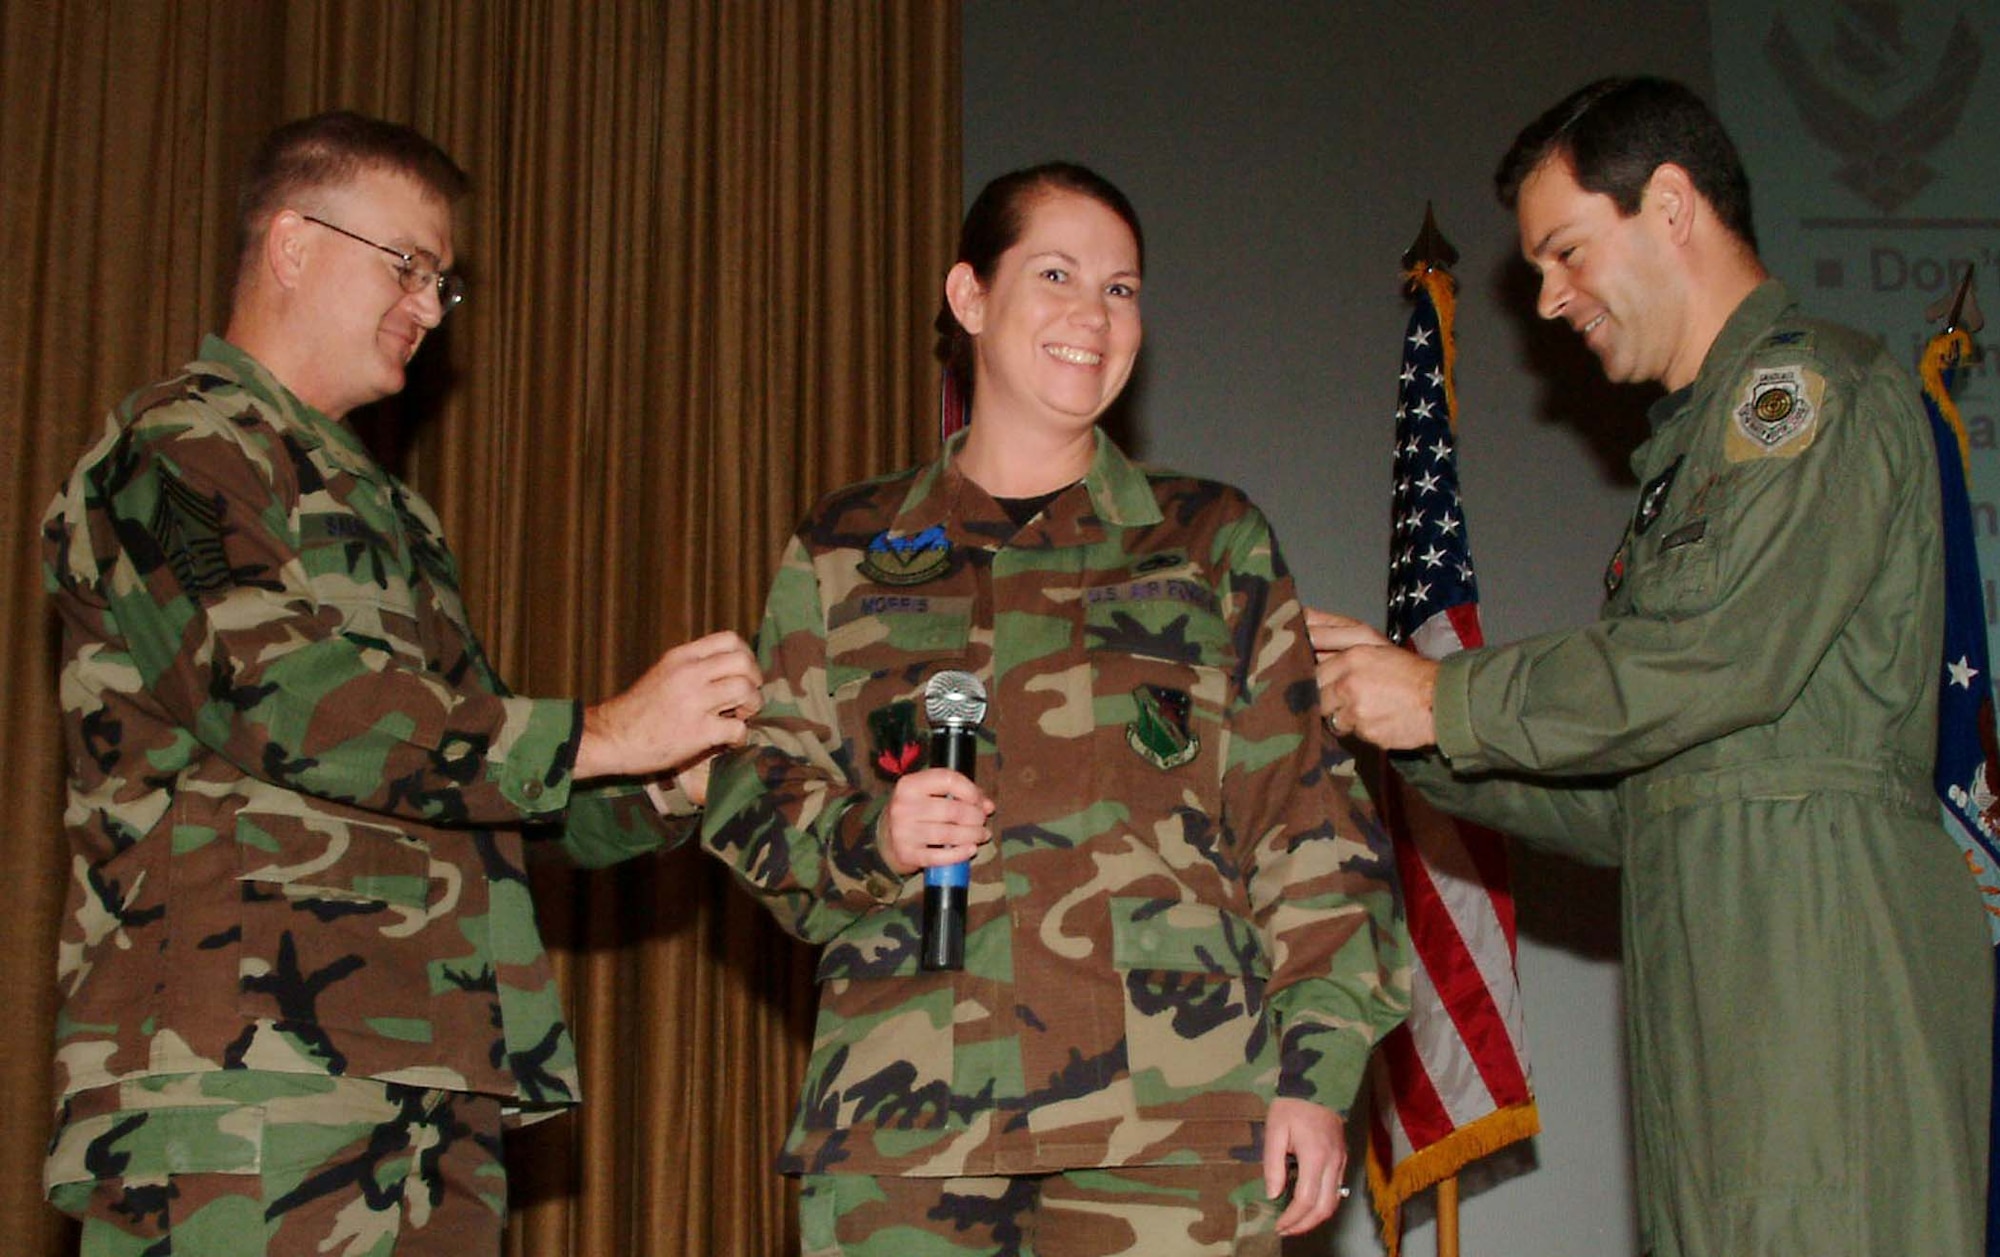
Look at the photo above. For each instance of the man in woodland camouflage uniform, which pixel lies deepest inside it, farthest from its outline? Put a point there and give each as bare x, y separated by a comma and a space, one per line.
303, 989
1185, 915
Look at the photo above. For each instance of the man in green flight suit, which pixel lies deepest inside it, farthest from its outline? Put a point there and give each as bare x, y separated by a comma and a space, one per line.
1747, 731
302, 986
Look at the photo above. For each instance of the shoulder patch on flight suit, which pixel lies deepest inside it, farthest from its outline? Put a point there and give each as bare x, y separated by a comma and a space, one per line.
1777, 414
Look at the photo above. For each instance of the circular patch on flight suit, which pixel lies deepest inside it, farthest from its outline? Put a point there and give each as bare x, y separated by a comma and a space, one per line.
1772, 405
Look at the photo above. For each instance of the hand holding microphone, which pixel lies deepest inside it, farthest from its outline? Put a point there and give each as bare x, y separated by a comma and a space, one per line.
955, 703
936, 817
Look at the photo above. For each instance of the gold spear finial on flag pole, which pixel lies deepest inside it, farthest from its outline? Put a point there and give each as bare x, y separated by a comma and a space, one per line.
1430, 251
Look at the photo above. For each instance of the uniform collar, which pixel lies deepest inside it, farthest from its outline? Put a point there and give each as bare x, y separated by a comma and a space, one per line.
309, 427
1741, 333
1115, 493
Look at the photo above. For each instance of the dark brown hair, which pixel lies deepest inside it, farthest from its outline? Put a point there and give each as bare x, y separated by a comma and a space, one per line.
1616, 132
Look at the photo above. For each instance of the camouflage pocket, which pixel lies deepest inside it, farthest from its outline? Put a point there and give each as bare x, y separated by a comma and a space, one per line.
332, 922
882, 1056
1164, 631
1198, 1038
819, 1216
1158, 703
327, 858
151, 1140
881, 649
872, 632
112, 962
355, 571
1257, 1227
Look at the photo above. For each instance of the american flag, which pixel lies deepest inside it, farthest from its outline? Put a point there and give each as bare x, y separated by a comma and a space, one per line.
1967, 776
1451, 1084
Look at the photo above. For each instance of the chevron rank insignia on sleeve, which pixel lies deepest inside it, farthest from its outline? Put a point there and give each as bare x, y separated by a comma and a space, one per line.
188, 529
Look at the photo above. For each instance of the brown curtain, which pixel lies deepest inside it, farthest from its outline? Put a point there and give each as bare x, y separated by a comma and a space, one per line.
704, 251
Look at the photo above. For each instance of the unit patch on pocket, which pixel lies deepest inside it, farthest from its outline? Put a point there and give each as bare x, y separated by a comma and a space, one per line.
1161, 732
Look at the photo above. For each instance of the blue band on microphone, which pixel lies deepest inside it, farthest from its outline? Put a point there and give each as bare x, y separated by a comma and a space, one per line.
949, 874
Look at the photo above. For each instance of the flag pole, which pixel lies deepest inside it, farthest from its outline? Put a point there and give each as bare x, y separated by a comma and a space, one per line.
1968, 763
1959, 308
1430, 251
1451, 1084
1447, 1203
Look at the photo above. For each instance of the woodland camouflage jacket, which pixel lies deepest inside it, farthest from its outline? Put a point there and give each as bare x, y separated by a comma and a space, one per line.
1187, 907
298, 793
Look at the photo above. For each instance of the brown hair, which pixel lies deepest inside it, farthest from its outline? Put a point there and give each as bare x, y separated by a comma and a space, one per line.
330, 149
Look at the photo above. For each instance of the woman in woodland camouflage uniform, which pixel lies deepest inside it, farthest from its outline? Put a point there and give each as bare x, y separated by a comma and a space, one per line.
1182, 934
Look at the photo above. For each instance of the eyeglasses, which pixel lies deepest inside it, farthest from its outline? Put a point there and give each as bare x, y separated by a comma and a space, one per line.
414, 271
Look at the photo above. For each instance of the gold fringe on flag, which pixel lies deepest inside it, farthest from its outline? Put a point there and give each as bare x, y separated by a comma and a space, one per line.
1441, 1160
1945, 351
1444, 296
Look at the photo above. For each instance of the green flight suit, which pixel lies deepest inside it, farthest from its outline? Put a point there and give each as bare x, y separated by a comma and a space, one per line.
1748, 733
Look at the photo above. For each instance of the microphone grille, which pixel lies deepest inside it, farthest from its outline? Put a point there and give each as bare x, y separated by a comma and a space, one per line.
954, 697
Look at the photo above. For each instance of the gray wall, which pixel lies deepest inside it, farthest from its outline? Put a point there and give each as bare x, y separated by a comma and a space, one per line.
1280, 155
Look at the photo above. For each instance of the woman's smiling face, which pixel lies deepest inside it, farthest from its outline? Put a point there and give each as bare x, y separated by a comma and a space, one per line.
1056, 333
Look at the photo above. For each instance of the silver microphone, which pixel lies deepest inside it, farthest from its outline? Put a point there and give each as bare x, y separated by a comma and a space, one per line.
954, 698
